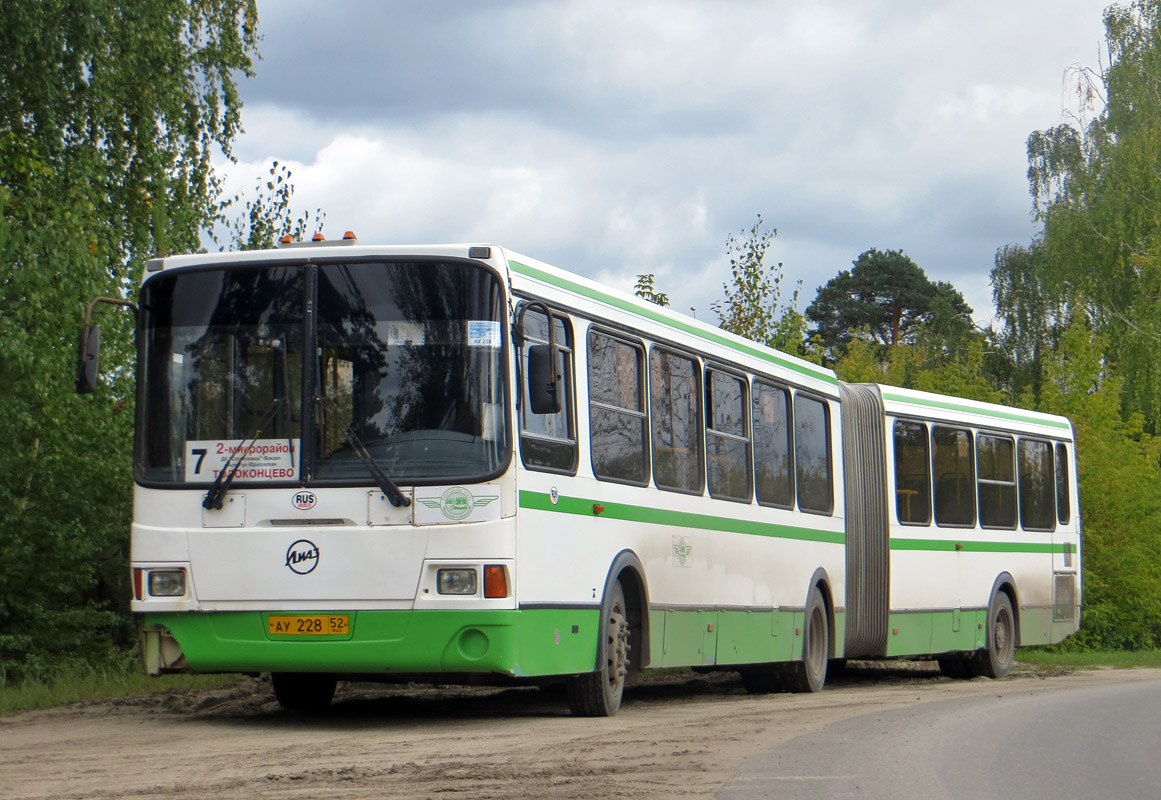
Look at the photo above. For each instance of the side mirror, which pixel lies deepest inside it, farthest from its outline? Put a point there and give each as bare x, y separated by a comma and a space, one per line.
543, 397
88, 359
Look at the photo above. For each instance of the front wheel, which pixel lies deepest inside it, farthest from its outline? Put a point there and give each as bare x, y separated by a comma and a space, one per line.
598, 694
809, 675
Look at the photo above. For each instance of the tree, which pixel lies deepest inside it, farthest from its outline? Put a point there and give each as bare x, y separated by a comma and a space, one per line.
888, 298
753, 297
1095, 188
268, 217
647, 290
109, 116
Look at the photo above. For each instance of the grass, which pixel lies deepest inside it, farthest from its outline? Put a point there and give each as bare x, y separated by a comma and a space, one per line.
1092, 659
79, 683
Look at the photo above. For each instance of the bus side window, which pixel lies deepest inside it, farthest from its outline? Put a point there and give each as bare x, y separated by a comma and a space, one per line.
773, 446
548, 441
812, 455
1063, 505
617, 409
912, 473
1037, 485
727, 437
675, 407
954, 472
996, 466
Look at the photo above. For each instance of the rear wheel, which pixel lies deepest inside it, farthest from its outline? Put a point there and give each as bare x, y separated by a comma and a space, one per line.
598, 694
303, 691
809, 675
995, 660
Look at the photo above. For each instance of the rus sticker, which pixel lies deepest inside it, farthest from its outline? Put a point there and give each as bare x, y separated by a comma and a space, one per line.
483, 333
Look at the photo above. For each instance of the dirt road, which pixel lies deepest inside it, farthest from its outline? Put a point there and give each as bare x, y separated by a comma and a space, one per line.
679, 735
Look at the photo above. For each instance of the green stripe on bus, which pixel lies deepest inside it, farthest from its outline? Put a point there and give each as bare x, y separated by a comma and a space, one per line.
950, 405
940, 545
539, 501
757, 351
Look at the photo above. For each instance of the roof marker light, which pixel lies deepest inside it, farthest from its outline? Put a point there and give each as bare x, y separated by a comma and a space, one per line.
350, 235
287, 239
318, 237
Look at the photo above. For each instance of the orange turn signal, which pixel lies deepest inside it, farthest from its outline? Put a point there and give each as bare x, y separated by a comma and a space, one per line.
495, 581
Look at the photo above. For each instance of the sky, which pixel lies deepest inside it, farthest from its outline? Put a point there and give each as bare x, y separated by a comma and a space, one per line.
614, 139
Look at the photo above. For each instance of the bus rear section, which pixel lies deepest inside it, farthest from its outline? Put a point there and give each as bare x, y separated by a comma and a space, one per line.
964, 537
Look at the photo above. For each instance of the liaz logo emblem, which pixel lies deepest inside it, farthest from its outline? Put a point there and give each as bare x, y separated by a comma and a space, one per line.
457, 502
302, 556
304, 500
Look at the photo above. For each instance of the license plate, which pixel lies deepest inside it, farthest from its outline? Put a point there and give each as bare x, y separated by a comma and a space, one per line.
309, 625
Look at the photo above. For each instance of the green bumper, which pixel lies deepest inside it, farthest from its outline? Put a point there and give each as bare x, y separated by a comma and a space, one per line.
516, 643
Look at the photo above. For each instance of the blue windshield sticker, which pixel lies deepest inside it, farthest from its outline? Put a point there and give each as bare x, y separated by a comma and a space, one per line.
483, 333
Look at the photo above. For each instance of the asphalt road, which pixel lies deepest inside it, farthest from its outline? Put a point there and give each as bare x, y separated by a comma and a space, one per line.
1090, 742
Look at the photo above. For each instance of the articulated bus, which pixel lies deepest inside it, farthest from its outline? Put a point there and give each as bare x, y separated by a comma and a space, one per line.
456, 464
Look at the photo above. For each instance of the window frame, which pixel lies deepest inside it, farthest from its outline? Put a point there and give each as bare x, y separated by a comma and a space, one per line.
643, 393
828, 439
971, 439
1050, 491
1014, 483
787, 393
698, 424
928, 455
746, 437
568, 348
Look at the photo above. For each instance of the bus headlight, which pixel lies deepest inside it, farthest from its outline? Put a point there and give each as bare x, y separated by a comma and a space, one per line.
456, 581
167, 583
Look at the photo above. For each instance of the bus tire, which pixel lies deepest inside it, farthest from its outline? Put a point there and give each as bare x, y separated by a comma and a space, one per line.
303, 691
809, 674
995, 659
598, 693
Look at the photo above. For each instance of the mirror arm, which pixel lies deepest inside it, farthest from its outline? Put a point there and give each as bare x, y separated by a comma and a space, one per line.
111, 301
551, 337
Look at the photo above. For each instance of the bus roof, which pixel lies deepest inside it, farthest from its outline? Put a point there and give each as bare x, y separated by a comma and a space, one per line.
929, 405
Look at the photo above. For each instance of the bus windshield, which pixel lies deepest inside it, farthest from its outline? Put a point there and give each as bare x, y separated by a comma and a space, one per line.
408, 360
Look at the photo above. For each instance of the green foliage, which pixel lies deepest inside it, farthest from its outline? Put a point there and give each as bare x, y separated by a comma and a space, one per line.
268, 217
753, 296
887, 298
1096, 190
109, 115
1081, 314
646, 290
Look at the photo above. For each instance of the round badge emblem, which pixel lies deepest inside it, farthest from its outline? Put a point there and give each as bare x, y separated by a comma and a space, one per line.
304, 500
456, 503
302, 556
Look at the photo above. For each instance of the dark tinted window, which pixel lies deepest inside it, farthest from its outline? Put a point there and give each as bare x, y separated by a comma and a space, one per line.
997, 481
773, 472
727, 436
617, 409
953, 471
912, 473
675, 410
1037, 485
1063, 505
812, 454
548, 441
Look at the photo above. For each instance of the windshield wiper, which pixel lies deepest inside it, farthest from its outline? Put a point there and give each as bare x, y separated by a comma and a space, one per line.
221, 484
390, 490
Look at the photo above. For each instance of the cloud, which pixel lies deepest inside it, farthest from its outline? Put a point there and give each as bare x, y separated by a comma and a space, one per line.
615, 139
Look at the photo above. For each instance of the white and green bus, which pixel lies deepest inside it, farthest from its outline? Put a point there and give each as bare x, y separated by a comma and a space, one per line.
458, 464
